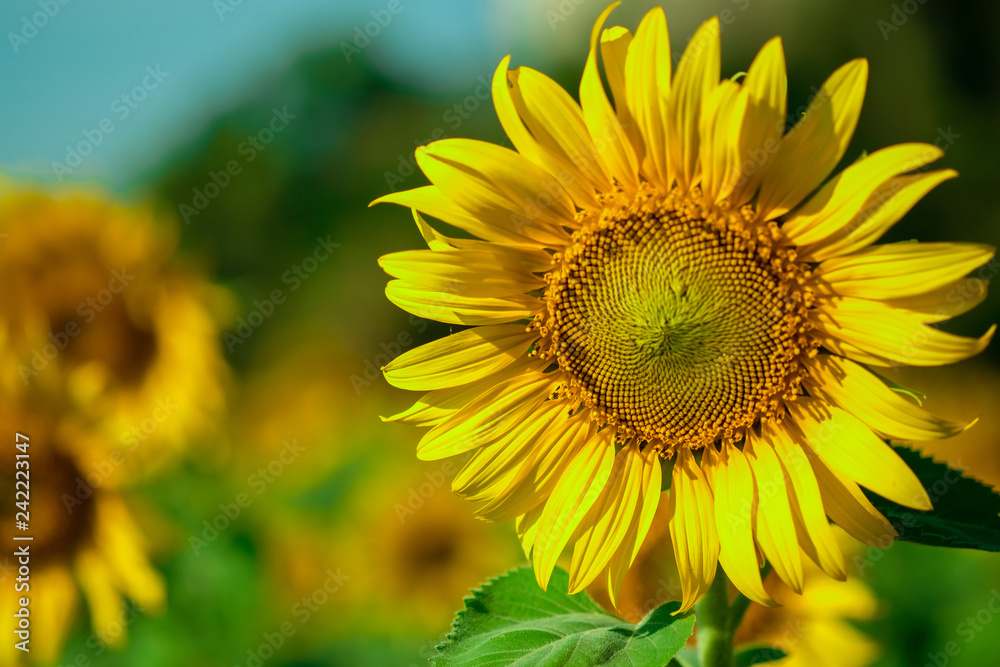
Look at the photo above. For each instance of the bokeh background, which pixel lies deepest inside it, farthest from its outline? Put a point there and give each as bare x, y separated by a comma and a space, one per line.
225, 153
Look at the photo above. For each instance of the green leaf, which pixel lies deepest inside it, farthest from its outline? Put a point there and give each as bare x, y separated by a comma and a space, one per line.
758, 655
965, 514
510, 620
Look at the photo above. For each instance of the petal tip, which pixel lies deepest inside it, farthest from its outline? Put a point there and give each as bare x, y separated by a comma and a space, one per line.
595, 34
542, 575
502, 68
861, 67
987, 337
969, 425
684, 608
613, 33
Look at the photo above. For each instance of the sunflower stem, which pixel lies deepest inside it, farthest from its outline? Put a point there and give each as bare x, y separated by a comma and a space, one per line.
736, 611
740, 605
715, 637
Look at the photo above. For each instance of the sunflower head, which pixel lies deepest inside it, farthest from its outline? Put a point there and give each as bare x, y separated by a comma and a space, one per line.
84, 537
669, 274
98, 313
675, 322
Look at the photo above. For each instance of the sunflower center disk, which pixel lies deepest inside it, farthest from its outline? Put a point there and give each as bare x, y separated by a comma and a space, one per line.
63, 517
677, 323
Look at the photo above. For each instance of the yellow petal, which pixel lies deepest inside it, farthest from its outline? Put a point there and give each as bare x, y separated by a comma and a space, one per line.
775, 527
610, 140
945, 302
810, 151
493, 468
850, 351
470, 273
898, 270
883, 208
433, 202
434, 239
695, 81
500, 186
720, 133
647, 82
556, 120
458, 359
577, 490
691, 517
487, 418
838, 202
849, 508
849, 386
52, 610
458, 308
849, 447
807, 504
765, 89
615, 43
121, 545
514, 117
527, 528
606, 524
484, 482
885, 335
435, 406
556, 446
735, 502
621, 561
531, 257
103, 597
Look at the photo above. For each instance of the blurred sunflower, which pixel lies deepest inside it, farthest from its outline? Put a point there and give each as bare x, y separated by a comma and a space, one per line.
428, 549
345, 532
83, 534
813, 628
671, 279
96, 309
405, 548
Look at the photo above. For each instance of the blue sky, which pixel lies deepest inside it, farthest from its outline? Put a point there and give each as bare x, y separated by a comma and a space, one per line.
65, 65
64, 68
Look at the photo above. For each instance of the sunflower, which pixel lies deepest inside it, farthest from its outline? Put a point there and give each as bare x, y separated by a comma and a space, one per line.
399, 538
816, 629
84, 539
411, 556
388, 529
98, 310
666, 291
